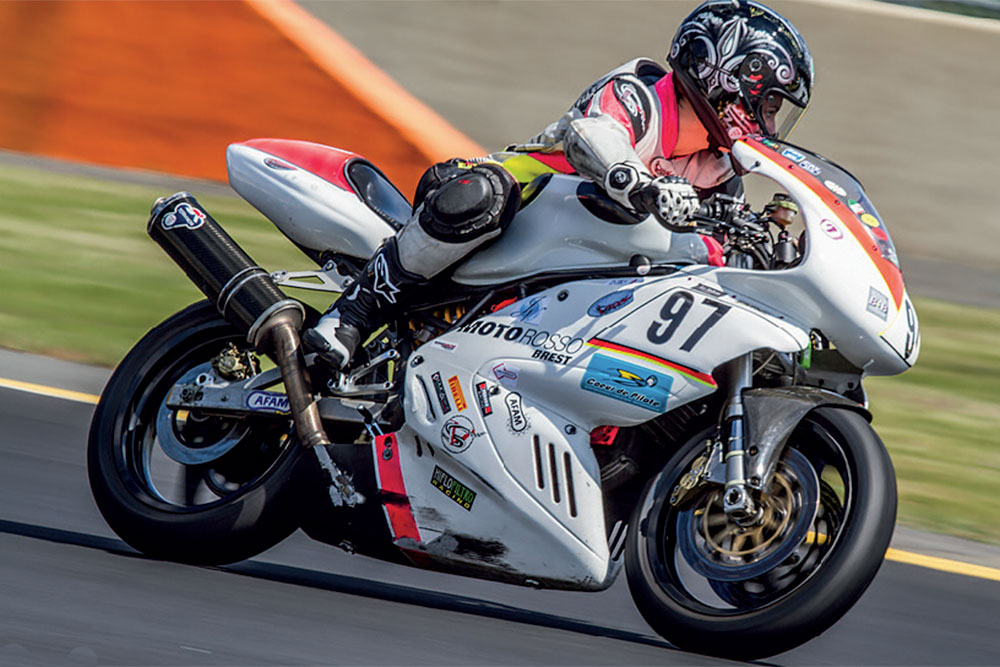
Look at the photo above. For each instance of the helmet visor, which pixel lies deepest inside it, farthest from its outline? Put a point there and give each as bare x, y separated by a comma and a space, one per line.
778, 114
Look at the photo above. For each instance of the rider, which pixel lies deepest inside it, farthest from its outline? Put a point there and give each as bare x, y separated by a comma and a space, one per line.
655, 140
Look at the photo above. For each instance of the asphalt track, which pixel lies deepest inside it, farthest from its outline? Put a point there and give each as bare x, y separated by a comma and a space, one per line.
72, 593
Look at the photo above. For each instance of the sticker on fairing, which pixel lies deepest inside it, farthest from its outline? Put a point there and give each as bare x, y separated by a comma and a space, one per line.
515, 410
444, 345
830, 229
878, 303
627, 382
483, 399
456, 393
506, 375
278, 164
624, 281
531, 309
454, 489
442, 395
793, 155
810, 167
609, 303
457, 434
835, 188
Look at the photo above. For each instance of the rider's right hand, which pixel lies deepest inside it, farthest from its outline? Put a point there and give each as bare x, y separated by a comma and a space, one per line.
671, 199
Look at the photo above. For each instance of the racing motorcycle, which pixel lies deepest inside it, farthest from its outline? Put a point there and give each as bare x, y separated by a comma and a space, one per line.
576, 398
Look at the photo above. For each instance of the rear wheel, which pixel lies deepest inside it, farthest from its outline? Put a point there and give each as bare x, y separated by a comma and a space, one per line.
709, 585
178, 484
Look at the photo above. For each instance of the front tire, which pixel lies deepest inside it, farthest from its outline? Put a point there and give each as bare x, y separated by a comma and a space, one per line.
747, 600
233, 499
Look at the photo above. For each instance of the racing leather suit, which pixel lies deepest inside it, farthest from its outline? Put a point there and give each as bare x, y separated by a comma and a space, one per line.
630, 115
623, 132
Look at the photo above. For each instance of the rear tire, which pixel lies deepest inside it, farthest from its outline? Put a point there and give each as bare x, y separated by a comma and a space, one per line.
798, 598
220, 511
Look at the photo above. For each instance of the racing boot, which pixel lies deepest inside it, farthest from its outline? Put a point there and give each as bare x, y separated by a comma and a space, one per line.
377, 295
457, 210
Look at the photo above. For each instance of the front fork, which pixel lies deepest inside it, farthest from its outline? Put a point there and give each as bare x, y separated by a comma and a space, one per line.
737, 501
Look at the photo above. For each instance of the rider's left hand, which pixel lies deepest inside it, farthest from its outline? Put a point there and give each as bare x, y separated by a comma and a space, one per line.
671, 199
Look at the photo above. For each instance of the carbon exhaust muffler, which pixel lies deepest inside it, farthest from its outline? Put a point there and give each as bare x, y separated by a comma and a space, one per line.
245, 295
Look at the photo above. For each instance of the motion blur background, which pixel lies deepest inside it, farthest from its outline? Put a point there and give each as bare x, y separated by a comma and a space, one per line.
905, 98
105, 106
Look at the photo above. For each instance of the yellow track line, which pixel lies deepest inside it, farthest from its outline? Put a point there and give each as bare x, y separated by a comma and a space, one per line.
897, 555
54, 392
414, 120
943, 564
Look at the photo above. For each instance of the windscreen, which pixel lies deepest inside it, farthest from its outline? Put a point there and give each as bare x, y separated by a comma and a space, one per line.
846, 188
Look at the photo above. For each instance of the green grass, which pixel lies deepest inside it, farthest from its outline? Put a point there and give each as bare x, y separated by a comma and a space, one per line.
81, 278
941, 422
82, 281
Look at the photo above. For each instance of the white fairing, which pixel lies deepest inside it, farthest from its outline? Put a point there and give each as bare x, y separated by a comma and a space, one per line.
555, 232
311, 211
843, 287
533, 380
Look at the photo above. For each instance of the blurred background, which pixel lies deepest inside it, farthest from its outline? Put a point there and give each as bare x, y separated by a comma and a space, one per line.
106, 106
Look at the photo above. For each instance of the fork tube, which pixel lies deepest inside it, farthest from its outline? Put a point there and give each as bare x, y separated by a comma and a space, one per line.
737, 502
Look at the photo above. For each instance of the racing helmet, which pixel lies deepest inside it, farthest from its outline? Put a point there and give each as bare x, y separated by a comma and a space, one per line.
744, 68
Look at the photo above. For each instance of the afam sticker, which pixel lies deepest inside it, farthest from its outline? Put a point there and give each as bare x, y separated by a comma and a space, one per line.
856, 207
609, 303
442, 395
184, 215
265, 401
505, 374
456, 393
457, 434
515, 410
453, 488
483, 399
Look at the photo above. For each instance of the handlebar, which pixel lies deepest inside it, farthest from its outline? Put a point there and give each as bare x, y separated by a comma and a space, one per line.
741, 230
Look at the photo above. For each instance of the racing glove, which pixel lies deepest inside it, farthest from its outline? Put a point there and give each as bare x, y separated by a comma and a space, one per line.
671, 199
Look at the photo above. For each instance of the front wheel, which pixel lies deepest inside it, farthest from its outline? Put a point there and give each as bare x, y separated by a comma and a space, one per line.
711, 586
178, 484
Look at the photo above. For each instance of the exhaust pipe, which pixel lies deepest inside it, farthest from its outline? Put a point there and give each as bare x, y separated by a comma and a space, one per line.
245, 295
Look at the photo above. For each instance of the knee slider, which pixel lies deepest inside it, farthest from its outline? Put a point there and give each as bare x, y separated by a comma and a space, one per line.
470, 203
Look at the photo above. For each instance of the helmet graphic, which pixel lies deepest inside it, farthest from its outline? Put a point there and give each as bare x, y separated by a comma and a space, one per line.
745, 69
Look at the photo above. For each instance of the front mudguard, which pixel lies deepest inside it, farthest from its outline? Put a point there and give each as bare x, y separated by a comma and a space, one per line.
771, 414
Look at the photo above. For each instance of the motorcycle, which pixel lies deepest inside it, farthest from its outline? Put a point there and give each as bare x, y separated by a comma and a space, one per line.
578, 397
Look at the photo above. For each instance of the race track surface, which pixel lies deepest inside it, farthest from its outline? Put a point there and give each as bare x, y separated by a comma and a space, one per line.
72, 593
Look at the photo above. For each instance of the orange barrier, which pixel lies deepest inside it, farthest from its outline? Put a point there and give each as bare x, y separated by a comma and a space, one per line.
167, 85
